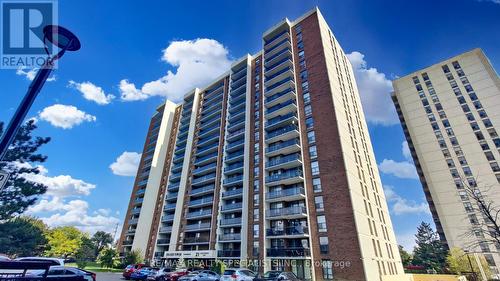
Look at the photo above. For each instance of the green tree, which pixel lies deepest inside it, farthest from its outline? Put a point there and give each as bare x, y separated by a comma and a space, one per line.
134, 256
101, 240
406, 258
108, 257
23, 236
64, 241
218, 267
85, 253
458, 263
20, 193
430, 252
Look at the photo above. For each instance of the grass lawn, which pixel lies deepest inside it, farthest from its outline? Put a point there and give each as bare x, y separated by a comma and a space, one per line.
94, 267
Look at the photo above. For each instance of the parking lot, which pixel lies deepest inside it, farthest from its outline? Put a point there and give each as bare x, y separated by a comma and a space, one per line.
109, 276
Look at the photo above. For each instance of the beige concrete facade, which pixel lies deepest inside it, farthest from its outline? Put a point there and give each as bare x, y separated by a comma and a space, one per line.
451, 115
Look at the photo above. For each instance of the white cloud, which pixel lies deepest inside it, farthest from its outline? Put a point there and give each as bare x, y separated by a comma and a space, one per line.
197, 61
401, 206
60, 186
374, 89
407, 240
30, 74
92, 92
126, 164
492, 1
65, 116
406, 151
403, 170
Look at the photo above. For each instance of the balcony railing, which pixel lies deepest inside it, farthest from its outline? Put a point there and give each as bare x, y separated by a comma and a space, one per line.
167, 218
202, 189
285, 175
233, 192
205, 158
205, 168
232, 206
233, 179
280, 106
170, 206
293, 230
294, 210
228, 253
195, 240
279, 119
165, 229
133, 221
199, 214
138, 200
204, 179
140, 192
288, 252
230, 237
135, 211
198, 226
232, 221
127, 242
284, 159
281, 145
285, 192
282, 131
233, 167
201, 201
163, 241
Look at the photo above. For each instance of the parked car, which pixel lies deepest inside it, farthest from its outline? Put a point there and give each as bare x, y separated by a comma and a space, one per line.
64, 273
276, 275
54, 261
175, 275
203, 275
143, 273
238, 274
160, 274
131, 268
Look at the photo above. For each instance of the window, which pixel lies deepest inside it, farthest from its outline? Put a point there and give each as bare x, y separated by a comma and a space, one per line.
468, 88
311, 137
313, 153
415, 80
449, 76
456, 65
450, 163
315, 168
454, 173
255, 230
487, 123
489, 156
317, 185
497, 142
301, 54
465, 108
477, 104
256, 199
305, 86
484, 145
453, 84
467, 171
462, 160
459, 184
461, 100
299, 36
454, 141
309, 123
303, 75
419, 87
302, 65
318, 203
457, 91
442, 115
307, 98
492, 132
425, 76
464, 80
300, 45
460, 73
321, 220
307, 110
327, 269
445, 68
474, 126
438, 106
495, 167
446, 123
482, 114
256, 248
323, 244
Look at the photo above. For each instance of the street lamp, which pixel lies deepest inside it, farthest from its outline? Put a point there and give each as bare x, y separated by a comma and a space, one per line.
65, 40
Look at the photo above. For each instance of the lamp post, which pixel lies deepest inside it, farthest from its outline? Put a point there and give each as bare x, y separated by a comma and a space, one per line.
65, 40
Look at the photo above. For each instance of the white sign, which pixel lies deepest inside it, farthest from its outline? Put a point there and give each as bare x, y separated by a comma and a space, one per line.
191, 254
3, 179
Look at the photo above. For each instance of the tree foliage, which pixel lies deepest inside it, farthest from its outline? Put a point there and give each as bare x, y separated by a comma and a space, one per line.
101, 240
406, 258
430, 252
85, 252
218, 267
20, 193
23, 236
134, 256
458, 263
64, 241
108, 257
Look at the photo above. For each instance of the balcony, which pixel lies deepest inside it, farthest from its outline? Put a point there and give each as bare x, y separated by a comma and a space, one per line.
234, 135
232, 193
285, 147
162, 241
281, 109
196, 240
170, 207
279, 75
279, 87
284, 162
140, 192
138, 201
173, 186
208, 140
275, 40
199, 214
289, 194
288, 252
239, 73
240, 107
233, 180
131, 231
230, 237
135, 211
206, 159
232, 206
280, 97
167, 218
198, 226
234, 156
288, 212
235, 145
229, 253
277, 56
291, 232
127, 242
230, 222
282, 120
133, 221
201, 202
172, 196
204, 179
279, 65
210, 132
165, 229
287, 177
208, 149
175, 176
283, 134
203, 190
205, 169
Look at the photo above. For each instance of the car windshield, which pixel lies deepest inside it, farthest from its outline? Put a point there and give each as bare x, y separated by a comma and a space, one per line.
129, 267
248, 273
229, 272
271, 274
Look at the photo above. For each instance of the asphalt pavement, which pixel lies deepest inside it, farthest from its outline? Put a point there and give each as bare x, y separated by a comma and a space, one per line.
109, 276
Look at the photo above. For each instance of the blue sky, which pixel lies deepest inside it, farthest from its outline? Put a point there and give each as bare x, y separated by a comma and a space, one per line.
127, 44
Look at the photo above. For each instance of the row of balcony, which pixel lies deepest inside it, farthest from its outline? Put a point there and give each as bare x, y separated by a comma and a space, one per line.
201, 201
198, 226
287, 212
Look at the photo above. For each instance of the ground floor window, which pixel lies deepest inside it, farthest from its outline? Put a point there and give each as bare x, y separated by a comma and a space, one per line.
327, 269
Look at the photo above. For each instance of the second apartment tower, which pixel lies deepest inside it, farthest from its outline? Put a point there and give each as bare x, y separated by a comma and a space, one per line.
271, 165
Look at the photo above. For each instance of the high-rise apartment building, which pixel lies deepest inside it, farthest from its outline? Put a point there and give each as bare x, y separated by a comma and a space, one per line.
450, 114
270, 166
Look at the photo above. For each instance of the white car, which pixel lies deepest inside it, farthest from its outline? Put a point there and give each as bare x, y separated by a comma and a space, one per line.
54, 261
203, 275
238, 274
